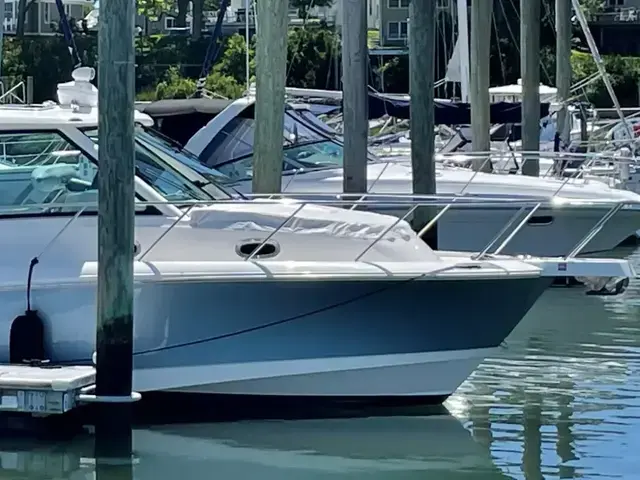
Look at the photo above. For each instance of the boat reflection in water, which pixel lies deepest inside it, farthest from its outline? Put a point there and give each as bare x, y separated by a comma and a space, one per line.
390, 448
563, 399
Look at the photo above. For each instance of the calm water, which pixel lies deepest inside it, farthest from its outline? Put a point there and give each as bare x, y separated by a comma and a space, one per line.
562, 401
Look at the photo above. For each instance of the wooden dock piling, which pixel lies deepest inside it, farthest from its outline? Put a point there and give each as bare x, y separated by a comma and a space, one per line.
563, 65
530, 72
422, 53
355, 97
114, 336
271, 66
481, 16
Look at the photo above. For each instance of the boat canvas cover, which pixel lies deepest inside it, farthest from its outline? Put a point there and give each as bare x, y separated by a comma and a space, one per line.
312, 219
446, 112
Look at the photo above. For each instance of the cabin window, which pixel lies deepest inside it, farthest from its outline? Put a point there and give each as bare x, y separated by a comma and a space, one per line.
42, 168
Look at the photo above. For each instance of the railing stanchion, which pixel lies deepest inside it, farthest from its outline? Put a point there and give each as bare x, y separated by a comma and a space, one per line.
164, 234
437, 217
516, 230
499, 235
594, 231
385, 231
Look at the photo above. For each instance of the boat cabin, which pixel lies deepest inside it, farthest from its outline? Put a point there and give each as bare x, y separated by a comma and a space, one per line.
222, 136
48, 155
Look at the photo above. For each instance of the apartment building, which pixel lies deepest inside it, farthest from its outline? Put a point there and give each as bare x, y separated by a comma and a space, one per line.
237, 17
394, 20
42, 16
616, 29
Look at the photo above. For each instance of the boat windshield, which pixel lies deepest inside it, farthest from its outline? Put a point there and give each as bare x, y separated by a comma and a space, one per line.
307, 145
309, 116
175, 175
150, 137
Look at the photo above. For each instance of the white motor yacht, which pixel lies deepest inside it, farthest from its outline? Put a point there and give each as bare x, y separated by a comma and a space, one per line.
313, 162
248, 297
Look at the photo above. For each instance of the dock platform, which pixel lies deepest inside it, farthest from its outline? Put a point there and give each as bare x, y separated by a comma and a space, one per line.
43, 390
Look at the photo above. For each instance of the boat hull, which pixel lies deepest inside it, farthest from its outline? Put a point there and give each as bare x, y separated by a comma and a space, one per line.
393, 339
289, 338
551, 232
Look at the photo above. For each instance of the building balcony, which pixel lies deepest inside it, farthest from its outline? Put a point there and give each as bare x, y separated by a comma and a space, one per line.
617, 16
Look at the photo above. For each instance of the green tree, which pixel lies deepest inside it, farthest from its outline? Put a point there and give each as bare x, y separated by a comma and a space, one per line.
591, 7
154, 9
309, 56
232, 62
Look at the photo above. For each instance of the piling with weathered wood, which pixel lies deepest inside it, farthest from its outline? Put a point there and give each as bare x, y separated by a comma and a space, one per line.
530, 72
422, 24
271, 66
563, 65
481, 14
355, 98
114, 338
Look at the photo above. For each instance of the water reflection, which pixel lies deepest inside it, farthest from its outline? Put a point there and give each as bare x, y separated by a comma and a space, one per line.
563, 399
393, 448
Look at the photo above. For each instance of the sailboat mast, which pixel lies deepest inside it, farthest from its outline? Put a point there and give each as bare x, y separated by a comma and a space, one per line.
247, 8
463, 45
2, 7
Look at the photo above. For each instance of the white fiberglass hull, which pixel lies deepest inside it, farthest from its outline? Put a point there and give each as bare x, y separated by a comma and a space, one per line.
549, 233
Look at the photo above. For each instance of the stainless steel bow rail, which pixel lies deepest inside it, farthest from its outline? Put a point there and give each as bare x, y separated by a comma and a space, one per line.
508, 232
525, 210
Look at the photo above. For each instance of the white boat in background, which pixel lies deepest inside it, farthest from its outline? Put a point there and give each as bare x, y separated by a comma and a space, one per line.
257, 297
313, 163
